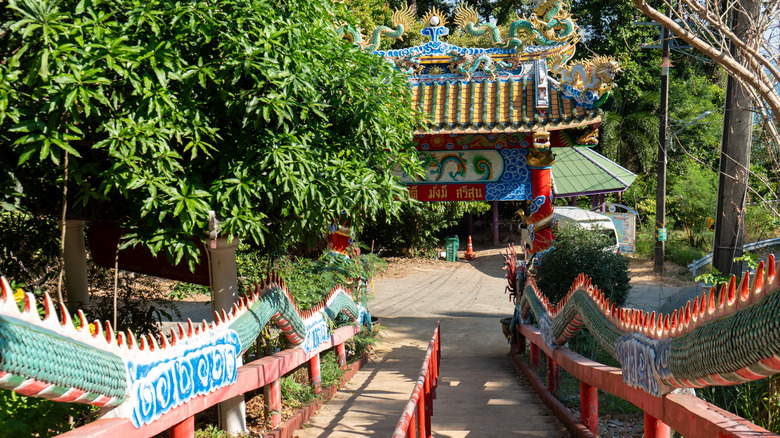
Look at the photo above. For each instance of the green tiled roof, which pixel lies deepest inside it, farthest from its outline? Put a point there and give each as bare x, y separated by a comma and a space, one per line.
581, 171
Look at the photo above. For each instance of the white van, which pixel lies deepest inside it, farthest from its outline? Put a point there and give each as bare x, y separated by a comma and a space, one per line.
589, 220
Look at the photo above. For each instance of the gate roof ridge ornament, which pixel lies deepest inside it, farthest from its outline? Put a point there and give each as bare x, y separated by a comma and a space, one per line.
503, 88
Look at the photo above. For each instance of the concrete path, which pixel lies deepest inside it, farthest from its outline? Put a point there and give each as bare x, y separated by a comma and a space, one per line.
479, 393
664, 299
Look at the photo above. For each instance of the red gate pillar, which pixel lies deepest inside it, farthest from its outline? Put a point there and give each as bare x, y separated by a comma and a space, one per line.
655, 428
540, 159
589, 407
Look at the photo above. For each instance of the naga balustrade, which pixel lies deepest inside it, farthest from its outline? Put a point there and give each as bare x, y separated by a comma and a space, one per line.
265, 372
685, 413
416, 417
146, 386
723, 337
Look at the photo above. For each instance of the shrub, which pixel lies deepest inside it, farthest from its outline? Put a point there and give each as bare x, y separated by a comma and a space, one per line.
582, 251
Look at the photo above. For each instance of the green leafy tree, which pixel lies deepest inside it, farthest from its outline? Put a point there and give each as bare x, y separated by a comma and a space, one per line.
576, 251
692, 199
158, 112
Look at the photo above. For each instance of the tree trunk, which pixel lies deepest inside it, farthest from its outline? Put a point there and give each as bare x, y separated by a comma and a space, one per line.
735, 157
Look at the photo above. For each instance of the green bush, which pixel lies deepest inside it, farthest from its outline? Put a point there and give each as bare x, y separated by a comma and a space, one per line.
582, 251
309, 281
29, 416
679, 252
758, 401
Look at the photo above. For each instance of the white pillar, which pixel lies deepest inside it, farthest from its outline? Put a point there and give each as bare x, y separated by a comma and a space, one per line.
224, 289
76, 284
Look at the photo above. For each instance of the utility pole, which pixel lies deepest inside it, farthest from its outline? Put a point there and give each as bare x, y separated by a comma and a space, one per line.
734, 157
660, 193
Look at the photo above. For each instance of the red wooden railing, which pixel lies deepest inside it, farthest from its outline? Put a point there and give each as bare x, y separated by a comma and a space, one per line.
262, 373
416, 418
687, 414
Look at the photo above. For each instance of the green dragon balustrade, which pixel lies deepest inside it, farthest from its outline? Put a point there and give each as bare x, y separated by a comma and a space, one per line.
141, 378
723, 338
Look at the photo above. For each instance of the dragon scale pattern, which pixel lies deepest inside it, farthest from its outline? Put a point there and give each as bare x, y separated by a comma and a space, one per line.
724, 337
53, 359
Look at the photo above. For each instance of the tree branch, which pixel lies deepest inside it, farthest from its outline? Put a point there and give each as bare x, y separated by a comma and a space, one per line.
722, 58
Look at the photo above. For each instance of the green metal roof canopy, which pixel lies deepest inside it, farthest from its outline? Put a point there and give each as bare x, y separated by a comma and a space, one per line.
581, 171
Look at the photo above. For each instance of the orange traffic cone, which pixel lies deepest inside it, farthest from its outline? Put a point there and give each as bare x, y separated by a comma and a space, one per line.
470, 254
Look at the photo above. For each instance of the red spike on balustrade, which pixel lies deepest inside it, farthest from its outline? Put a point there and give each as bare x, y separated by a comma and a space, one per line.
673, 321
152, 342
217, 316
711, 307
235, 309
695, 309
163, 341
190, 328
771, 268
174, 337
732, 296
98, 329
744, 287
758, 286
5, 290
29, 304
722, 296
651, 324
687, 312
703, 305
48, 307
82, 320
65, 317
120, 339
130, 340
667, 323
181, 330
142, 344
109, 333
225, 316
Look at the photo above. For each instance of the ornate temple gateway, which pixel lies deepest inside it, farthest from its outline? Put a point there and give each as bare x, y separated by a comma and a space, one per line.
494, 114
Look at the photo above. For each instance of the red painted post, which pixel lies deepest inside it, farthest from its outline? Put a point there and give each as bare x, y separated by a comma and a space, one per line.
428, 401
185, 429
342, 356
654, 428
422, 432
273, 403
314, 373
589, 407
552, 375
519, 340
534, 355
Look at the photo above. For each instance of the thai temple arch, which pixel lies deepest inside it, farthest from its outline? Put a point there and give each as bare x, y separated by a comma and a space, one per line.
495, 115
